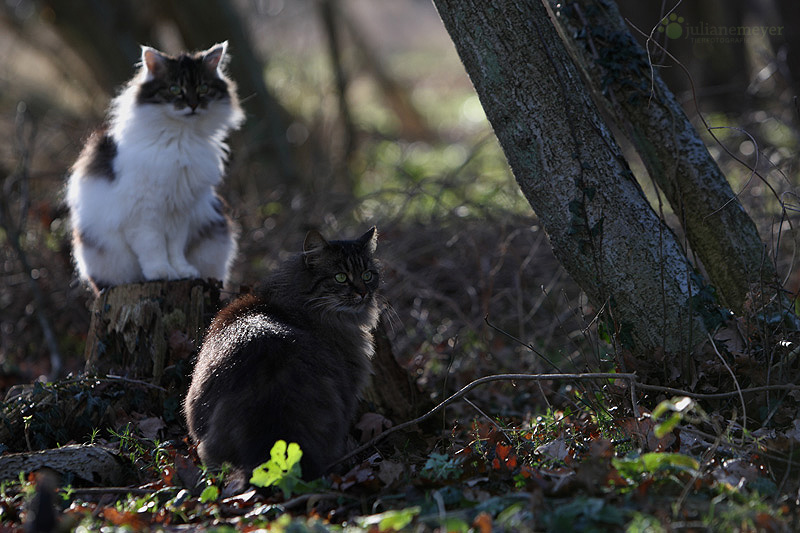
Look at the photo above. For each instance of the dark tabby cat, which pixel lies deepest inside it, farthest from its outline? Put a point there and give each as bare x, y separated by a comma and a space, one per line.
142, 195
289, 361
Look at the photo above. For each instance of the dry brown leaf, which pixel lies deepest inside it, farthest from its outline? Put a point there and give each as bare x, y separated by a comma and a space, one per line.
371, 425
151, 426
389, 472
732, 339
556, 449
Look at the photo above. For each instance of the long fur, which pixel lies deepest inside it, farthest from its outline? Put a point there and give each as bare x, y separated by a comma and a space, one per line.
157, 216
289, 361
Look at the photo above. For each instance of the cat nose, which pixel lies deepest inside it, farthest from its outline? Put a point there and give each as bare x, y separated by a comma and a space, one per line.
192, 102
361, 292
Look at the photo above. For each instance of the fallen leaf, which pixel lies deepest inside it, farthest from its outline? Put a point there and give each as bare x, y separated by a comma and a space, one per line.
168, 475
358, 475
150, 427
735, 472
188, 472
483, 523
118, 518
502, 451
732, 339
556, 449
389, 472
371, 425
794, 433
642, 431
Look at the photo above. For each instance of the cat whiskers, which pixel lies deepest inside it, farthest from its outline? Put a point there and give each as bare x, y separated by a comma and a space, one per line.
388, 314
332, 307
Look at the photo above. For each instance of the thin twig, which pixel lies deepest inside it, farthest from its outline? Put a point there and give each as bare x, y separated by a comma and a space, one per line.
480, 381
489, 419
715, 395
91, 491
112, 377
735, 382
687, 487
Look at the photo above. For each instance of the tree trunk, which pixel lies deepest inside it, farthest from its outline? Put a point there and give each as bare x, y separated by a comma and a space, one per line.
138, 330
568, 166
717, 227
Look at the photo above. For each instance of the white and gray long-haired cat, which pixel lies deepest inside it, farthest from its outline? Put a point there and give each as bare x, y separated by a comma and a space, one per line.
142, 195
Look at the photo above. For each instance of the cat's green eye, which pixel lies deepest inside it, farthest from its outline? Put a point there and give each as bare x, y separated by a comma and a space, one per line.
202, 89
175, 89
341, 277
367, 275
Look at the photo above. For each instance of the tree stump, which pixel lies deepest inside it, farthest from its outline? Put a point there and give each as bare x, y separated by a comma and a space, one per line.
139, 329
391, 390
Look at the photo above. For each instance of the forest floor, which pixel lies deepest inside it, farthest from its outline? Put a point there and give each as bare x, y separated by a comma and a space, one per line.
474, 291
511, 454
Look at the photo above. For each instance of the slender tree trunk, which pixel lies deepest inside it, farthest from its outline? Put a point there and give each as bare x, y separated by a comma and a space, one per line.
717, 227
599, 223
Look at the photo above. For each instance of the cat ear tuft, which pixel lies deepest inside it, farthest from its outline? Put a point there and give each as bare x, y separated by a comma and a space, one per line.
314, 242
215, 55
370, 239
154, 61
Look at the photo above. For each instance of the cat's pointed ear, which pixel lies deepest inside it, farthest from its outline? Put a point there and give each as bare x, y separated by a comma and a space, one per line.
369, 240
154, 61
313, 244
214, 56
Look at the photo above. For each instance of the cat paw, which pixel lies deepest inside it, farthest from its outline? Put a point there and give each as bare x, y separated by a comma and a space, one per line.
160, 272
187, 271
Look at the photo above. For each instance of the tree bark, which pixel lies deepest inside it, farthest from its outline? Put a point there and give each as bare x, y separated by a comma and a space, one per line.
139, 329
391, 391
568, 166
717, 227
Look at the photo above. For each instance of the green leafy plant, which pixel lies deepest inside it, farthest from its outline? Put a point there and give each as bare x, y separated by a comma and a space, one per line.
209, 494
129, 444
393, 520
439, 466
585, 514
282, 470
650, 463
678, 408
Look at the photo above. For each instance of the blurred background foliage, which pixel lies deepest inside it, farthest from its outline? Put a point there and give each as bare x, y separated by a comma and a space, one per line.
360, 113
